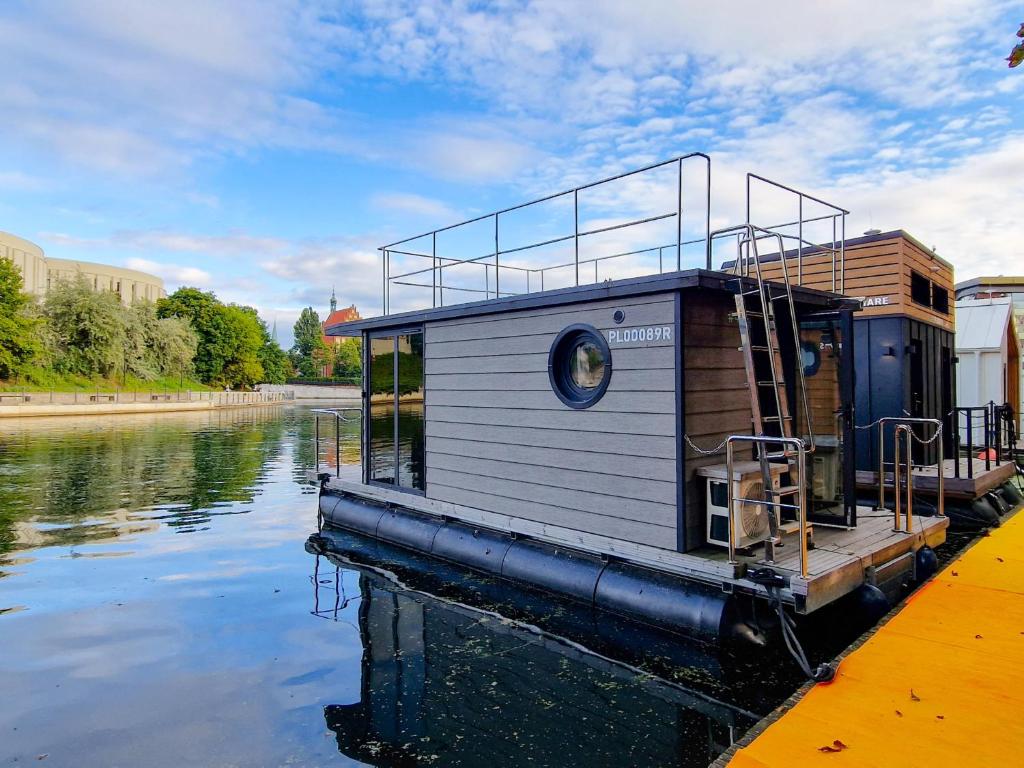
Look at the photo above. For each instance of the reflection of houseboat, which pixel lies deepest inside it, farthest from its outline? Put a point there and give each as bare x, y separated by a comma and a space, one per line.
581, 436
435, 673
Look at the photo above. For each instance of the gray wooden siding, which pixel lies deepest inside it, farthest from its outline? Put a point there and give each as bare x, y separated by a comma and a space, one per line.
499, 440
716, 399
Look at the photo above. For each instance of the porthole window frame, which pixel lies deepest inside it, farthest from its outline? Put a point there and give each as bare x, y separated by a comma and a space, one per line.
560, 371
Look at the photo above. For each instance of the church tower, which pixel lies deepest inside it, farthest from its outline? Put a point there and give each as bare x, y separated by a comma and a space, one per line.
334, 301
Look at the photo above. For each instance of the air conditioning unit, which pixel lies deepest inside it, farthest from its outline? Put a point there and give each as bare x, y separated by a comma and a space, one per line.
750, 519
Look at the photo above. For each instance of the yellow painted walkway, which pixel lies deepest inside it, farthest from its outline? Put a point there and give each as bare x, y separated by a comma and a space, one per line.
942, 683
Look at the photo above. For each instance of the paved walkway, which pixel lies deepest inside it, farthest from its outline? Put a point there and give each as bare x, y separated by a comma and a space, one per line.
941, 683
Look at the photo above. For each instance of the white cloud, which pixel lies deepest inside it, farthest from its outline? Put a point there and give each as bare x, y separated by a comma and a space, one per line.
173, 274
416, 205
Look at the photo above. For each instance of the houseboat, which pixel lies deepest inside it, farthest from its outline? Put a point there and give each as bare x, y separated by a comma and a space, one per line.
616, 420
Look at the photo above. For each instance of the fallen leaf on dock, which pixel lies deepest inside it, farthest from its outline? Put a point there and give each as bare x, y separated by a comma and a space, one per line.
898, 713
835, 746
940, 717
914, 696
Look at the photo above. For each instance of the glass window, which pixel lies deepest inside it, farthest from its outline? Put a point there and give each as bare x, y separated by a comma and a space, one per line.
382, 410
940, 299
579, 366
396, 433
586, 365
920, 289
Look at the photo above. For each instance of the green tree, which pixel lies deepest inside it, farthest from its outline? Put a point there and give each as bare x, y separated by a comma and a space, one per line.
245, 332
205, 313
19, 326
173, 344
89, 329
309, 354
348, 359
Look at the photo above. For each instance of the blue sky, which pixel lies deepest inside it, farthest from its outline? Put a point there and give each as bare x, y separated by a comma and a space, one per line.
265, 150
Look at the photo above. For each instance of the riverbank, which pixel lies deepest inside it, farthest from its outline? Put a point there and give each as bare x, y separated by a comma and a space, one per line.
108, 403
339, 393
937, 684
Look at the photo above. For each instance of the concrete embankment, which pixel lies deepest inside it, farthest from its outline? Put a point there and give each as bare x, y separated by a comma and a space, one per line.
315, 392
45, 404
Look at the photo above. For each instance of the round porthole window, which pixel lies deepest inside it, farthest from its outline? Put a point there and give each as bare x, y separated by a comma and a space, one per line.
811, 357
580, 366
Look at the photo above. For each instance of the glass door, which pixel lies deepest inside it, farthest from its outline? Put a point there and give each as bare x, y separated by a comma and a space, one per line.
396, 404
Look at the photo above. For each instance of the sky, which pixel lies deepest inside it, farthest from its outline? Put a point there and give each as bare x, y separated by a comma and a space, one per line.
264, 150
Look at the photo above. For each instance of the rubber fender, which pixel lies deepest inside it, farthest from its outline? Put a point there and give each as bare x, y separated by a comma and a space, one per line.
984, 511
1012, 494
480, 550
997, 502
662, 599
554, 570
351, 513
409, 529
926, 563
870, 603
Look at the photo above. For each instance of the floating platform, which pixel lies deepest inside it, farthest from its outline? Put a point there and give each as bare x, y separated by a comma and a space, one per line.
963, 487
939, 683
841, 561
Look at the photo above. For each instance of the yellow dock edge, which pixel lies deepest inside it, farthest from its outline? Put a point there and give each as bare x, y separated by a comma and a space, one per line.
938, 682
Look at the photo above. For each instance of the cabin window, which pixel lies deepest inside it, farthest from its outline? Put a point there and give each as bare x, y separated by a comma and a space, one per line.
940, 299
579, 366
920, 289
395, 440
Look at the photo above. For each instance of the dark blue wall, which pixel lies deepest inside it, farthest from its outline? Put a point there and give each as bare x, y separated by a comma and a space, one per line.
883, 380
880, 380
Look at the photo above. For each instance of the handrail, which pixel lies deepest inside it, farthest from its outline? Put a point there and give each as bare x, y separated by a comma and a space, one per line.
801, 505
906, 422
340, 417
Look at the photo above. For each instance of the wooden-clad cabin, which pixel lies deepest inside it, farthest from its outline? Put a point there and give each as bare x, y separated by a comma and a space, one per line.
903, 334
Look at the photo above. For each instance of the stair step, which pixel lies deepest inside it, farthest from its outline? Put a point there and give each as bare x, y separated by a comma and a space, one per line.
769, 383
787, 490
776, 418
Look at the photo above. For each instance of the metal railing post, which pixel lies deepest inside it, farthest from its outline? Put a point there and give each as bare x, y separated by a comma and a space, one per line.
576, 233
881, 466
433, 270
497, 269
316, 442
679, 220
337, 445
730, 500
988, 439
897, 480
970, 443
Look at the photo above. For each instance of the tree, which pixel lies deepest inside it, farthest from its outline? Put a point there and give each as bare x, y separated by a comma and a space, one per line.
348, 359
307, 332
205, 313
89, 329
19, 336
173, 344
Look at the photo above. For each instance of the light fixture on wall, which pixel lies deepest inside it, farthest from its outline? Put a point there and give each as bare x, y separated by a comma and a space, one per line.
889, 352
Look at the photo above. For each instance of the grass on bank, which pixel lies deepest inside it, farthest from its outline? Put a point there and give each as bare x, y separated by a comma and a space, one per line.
42, 380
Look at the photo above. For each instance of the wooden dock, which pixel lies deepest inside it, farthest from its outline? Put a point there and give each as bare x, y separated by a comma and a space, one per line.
963, 487
940, 683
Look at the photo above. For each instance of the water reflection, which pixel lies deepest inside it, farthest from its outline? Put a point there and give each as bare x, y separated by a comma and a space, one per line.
79, 481
446, 684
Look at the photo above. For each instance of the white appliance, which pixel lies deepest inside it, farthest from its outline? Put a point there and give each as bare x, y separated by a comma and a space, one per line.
750, 519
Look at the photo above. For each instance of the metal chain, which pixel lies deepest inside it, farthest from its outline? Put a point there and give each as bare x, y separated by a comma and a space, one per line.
702, 451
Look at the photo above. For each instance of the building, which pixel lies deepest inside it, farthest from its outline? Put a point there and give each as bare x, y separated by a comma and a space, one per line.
334, 317
903, 334
988, 357
41, 272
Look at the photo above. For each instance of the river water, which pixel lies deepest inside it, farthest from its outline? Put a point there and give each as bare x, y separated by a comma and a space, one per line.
158, 606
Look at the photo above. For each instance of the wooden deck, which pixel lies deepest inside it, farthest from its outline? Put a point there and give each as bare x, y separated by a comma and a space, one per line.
940, 683
841, 561
926, 479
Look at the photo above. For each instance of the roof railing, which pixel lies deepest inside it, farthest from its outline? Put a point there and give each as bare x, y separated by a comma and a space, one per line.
494, 268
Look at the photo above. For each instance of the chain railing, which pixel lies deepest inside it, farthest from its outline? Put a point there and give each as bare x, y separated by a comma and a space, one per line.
998, 434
